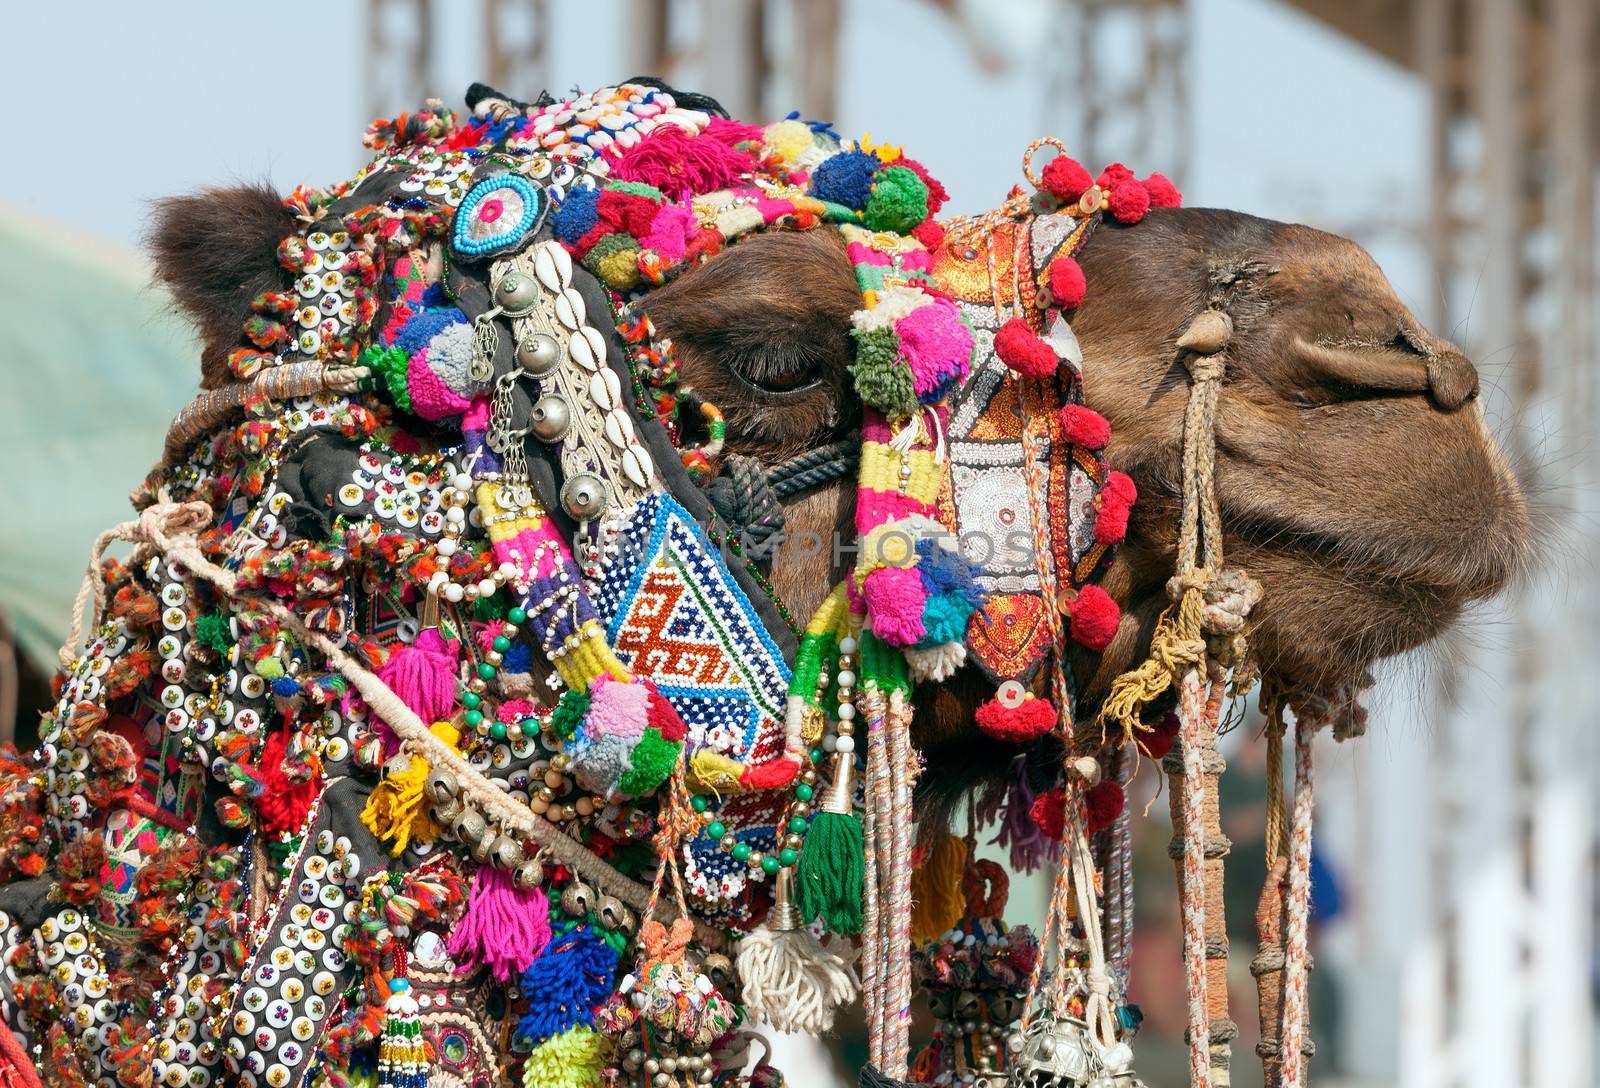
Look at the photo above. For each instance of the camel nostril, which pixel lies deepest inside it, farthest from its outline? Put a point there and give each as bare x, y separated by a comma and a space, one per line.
1452, 380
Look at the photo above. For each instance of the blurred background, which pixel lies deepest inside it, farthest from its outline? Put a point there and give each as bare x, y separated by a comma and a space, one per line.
1457, 139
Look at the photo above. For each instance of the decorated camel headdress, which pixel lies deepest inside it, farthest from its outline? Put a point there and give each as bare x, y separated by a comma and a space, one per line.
443, 720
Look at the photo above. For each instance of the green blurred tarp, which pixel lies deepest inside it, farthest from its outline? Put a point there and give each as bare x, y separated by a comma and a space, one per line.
94, 368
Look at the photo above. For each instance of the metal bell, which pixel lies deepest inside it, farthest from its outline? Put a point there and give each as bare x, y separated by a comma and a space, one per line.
507, 853
442, 785
469, 827
584, 496
550, 419
483, 848
1055, 1053
538, 353
577, 899
613, 915
530, 874
446, 811
516, 293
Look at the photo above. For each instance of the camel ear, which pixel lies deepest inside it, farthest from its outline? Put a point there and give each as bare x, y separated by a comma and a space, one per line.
216, 251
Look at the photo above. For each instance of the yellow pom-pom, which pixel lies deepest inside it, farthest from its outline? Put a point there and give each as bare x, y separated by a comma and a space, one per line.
620, 269
397, 812
789, 139
572, 1059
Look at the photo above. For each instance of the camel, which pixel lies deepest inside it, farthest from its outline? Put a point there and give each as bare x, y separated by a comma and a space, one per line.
412, 588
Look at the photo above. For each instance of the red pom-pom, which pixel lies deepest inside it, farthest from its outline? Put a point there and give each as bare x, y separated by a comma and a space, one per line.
1067, 285
660, 715
1121, 485
1163, 194
1113, 175
774, 774
1129, 201
1083, 426
930, 234
1049, 811
1021, 350
937, 193
1028, 719
1111, 522
1103, 804
1064, 178
1158, 742
1094, 618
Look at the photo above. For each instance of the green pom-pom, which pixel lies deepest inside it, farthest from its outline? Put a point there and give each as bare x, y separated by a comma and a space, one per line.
568, 714
637, 188
882, 379
389, 365
269, 668
899, 202
615, 260
651, 762
212, 630
494, 607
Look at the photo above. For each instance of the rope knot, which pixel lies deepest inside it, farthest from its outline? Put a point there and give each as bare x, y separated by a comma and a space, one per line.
1206, 368
743, 498
1229, 597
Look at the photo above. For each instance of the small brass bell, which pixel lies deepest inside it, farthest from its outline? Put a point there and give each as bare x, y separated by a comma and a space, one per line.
516, 293
530, 874
469, 827
577, 899
442, 785
550, 419
507, 853
538, 353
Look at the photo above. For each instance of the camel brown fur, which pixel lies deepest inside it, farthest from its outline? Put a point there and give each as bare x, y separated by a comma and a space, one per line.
1358, 481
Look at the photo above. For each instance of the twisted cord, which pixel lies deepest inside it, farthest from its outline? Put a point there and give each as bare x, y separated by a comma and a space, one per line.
276, 383
1295, 939
815, 468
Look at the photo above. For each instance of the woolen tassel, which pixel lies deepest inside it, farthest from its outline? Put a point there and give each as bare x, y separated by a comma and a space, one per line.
831, 875
402, 1053
423, 675
505, 927
790, 979
572, 1059
397, 812
938, 902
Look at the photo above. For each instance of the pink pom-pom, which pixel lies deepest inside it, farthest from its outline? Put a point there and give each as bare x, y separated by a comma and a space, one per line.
1083, 426
1095, 617
1163, 194
895, 597
1128, 201
1067, 284
1022, 350
1064, 178
1103, 803
1030, 718
1113, 175
1158, 741
1121, 485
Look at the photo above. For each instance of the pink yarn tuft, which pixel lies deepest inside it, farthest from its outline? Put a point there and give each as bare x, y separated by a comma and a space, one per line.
423, 675
670, 231
505, 927
484, 634
617, 708
681, 165
937, 345
729, 132
430, 397
894, 597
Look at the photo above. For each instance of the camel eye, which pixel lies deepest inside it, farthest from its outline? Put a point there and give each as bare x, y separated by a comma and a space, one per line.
778, 374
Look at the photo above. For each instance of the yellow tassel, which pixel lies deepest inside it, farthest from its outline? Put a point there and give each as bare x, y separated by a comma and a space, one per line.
1178, 642
398, 811
936, 890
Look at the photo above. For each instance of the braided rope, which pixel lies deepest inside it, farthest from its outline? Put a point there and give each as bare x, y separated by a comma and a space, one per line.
1295, 952
814, 468
277, 383
1191, 719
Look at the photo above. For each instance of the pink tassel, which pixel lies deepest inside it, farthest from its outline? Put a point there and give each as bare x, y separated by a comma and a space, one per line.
680, 164
505, 927
423, 675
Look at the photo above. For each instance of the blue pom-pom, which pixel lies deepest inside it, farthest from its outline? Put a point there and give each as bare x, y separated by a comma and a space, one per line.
845, 178
518, 659
421, 328
284, 686
577, 215
948, 572
572, 976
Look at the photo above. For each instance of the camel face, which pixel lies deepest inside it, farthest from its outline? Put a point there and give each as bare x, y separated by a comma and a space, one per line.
1358, 480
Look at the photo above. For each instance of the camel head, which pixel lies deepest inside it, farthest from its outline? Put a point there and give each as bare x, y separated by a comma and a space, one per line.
1357, 478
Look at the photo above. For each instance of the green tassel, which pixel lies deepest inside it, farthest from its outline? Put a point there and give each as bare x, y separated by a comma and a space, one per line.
832, 871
